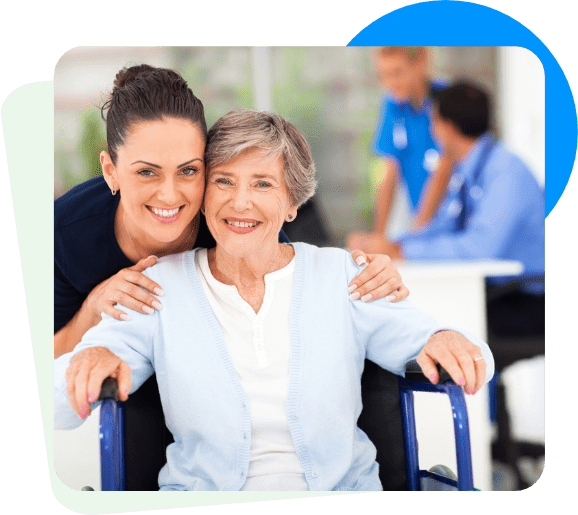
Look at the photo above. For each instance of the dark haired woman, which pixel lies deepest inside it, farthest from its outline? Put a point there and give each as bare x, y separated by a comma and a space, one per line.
106, 232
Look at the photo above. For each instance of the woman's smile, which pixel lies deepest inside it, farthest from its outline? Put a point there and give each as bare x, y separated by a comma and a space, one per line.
241, 225
166, 216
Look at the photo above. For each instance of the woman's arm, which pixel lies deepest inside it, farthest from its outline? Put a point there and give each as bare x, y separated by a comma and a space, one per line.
78, 375
128, 287
394, 334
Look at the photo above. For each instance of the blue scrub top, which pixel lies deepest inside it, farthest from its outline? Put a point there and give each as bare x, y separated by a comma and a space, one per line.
505, 220
403, 134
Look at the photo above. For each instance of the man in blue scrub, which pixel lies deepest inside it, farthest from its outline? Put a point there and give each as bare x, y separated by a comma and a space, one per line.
494, 208
402, 139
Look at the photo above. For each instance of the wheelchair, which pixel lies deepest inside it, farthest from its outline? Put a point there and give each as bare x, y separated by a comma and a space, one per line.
127, 465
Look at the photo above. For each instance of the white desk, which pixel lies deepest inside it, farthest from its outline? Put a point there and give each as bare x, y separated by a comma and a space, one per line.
454, 293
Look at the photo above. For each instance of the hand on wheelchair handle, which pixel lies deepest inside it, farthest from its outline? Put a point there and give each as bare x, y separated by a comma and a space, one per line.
86, 373
458, 356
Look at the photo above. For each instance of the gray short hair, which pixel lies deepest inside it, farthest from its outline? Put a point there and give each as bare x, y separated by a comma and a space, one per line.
246, 129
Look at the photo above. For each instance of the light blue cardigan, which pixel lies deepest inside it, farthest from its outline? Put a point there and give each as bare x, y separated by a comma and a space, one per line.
205, 406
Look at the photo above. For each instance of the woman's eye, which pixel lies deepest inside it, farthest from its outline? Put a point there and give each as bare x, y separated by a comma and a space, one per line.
189, 172
263, 184
146, 173
222, 181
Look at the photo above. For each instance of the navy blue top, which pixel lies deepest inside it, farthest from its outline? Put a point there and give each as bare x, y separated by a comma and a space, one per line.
85, 248
404, 134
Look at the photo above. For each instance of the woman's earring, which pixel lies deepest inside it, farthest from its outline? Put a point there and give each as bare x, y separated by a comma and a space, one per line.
290, 217
113, 192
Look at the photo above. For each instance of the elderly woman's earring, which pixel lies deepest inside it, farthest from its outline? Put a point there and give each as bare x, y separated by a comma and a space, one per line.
290, 217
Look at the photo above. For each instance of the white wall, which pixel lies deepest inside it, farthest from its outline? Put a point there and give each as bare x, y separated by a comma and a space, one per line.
521, 106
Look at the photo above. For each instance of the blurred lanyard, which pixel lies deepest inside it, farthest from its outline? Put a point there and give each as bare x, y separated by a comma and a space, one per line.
487, 150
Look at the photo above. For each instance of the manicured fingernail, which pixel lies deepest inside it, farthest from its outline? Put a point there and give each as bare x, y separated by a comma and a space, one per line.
470, 391
92, 397
124, 317
159, 292
153, 256
433, 378
351, 288
157, 305
354, 296
148, 310
360, 260
390, 298
366, 297
461, 381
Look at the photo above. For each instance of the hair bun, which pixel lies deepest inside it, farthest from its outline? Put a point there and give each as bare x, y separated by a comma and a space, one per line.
128, 75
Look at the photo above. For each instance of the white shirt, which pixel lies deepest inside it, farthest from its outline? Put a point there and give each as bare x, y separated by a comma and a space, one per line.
259, 346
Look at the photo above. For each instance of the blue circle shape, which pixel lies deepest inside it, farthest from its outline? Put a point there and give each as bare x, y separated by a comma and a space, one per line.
450, 24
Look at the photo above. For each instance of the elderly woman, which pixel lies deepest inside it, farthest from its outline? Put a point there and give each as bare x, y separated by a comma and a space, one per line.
258, 352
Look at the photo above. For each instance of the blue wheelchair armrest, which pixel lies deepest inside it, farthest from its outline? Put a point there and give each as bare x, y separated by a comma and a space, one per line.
415, 381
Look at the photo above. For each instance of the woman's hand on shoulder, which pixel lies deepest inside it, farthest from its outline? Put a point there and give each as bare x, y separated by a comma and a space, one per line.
462, 359
126, 288
86, 372
379, 279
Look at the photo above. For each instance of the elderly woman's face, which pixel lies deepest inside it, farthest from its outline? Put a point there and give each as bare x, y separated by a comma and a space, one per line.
246, 203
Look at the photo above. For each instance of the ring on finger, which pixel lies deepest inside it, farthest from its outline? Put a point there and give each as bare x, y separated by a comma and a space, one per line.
478, 359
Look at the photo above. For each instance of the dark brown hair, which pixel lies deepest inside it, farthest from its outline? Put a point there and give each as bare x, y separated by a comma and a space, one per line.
466, 105
145, 93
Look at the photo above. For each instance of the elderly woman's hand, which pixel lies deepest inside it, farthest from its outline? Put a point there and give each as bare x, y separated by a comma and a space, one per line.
462, 359
379, 279
87, 370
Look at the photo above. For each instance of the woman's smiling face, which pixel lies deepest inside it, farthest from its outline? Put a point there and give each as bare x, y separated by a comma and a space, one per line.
160, 174
246, 203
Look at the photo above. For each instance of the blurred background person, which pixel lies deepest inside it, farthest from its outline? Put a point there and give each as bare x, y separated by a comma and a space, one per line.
411, 162
493, 209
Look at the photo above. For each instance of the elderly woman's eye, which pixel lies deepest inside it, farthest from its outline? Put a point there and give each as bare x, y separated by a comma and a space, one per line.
263, 184
222, 181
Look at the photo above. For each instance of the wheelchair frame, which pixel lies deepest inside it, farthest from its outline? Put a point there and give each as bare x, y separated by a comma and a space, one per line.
113, 475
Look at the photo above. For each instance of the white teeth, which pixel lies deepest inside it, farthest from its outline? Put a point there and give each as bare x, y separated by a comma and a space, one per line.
241, 224
164, 213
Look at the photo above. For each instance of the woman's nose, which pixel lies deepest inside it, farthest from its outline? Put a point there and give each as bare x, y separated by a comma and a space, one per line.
241, 199
168, 192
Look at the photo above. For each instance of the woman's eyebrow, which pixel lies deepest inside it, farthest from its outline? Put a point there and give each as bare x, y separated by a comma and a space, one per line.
149, 164
195, 159
160, 167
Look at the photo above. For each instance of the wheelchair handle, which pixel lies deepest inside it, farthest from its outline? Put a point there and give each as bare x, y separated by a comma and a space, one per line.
108, 390
413, 374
